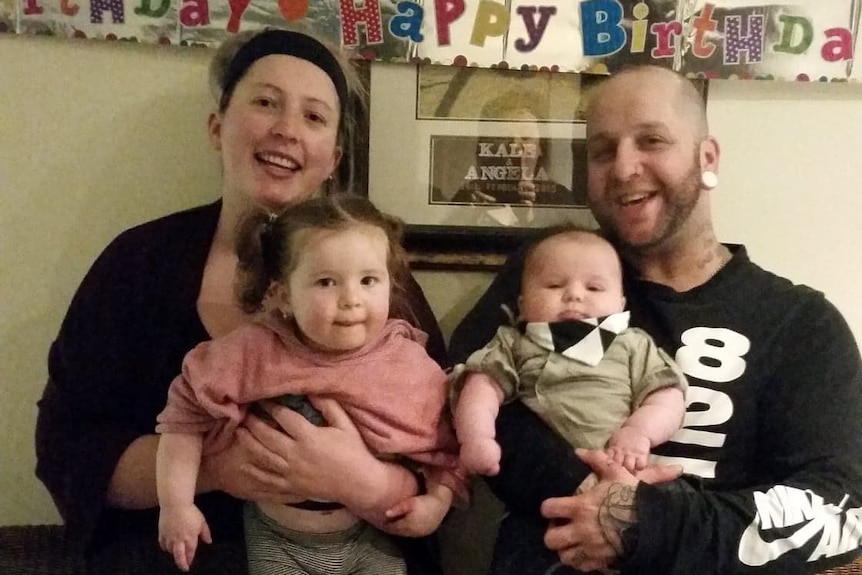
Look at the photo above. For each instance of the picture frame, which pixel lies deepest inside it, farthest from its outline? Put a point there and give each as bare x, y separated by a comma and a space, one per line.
475, 169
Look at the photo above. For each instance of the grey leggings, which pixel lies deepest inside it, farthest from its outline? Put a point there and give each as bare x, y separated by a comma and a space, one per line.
276, 550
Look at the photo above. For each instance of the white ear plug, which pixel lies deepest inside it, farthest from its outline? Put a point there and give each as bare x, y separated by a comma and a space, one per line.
709, 179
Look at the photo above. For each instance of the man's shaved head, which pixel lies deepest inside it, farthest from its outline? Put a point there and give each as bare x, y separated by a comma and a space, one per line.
689, 101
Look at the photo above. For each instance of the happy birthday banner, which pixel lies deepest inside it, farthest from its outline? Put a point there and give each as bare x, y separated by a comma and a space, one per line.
794, 40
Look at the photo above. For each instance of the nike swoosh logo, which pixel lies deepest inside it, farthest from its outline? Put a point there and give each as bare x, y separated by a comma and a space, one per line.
754, 551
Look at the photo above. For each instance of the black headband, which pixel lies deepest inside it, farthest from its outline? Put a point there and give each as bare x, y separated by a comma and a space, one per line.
288, 43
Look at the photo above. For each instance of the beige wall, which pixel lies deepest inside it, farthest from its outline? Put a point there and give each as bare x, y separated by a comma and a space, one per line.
95, 137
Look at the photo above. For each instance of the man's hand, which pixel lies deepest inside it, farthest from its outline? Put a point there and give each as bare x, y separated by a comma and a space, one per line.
586, 529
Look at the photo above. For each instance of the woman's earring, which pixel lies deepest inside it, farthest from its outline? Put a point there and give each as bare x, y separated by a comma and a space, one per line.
709, 179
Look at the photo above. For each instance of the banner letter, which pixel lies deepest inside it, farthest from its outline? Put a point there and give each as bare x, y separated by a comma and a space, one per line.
639, 27
197, 13
702, 24
839, 45
736, 42
368, 16
535, 30
600, 27
664, 32
32, 8
408, 22
237, 9
788, 32
115, 7
492, 19
71, 10
293, 10
146, 9
446, 11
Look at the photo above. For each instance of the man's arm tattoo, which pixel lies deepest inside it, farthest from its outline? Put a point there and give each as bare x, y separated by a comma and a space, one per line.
617, 513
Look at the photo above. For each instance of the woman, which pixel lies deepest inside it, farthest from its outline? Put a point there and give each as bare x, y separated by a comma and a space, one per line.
161, 288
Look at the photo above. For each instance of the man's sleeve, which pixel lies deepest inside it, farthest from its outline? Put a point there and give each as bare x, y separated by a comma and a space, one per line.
804, 516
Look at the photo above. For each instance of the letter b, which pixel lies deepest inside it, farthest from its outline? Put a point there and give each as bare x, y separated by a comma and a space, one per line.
601, 27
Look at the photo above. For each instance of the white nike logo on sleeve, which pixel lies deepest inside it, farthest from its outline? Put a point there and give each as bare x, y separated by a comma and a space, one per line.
782, 507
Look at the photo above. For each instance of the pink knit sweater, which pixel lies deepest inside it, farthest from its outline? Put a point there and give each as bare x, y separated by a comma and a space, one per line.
393, 392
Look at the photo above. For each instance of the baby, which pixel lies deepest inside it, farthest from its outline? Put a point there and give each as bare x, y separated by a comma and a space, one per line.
572, 359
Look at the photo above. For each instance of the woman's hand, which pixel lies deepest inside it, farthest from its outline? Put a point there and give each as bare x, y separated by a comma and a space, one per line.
328, 463
250, 468
301, 461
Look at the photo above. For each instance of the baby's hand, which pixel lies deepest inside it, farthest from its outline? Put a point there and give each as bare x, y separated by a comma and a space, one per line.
179, 530
629, 448
420, 515
481, 457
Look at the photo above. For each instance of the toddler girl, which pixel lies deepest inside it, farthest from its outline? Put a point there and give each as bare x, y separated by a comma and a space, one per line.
323, 273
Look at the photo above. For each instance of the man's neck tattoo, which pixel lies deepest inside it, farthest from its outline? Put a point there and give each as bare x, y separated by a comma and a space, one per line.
617, 513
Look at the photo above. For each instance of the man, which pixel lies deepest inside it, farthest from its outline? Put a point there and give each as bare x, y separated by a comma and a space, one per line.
772, 440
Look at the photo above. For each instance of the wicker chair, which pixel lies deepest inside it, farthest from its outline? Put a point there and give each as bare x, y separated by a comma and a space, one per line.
43, 550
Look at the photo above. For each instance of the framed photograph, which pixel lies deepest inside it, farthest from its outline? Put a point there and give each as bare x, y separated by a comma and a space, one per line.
475, 160
486, 94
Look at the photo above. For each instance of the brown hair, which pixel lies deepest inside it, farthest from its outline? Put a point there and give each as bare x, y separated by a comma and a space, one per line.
558, 230
268, 246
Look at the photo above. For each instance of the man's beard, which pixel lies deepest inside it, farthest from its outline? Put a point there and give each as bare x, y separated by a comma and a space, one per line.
679, 202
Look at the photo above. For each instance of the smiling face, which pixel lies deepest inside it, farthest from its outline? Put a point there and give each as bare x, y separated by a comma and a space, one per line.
278, 134
571, 276
646, 149
338, 293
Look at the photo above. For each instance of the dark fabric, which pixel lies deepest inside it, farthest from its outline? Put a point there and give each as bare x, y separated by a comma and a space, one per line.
137, 556
122, 342
37, 550
520, 549
43, 550
480, 323
773, 369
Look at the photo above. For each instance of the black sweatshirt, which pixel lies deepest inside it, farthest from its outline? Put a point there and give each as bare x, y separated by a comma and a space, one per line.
772, 439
